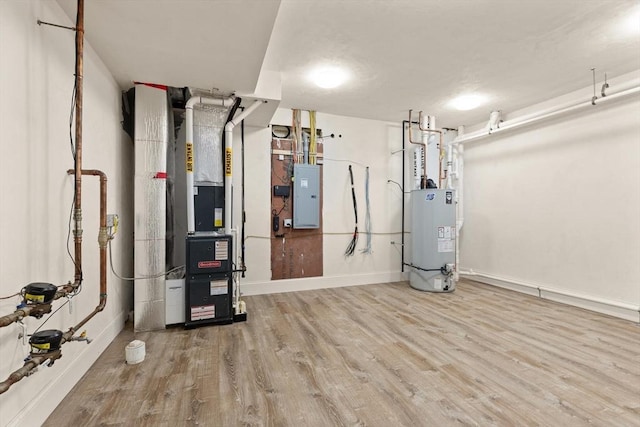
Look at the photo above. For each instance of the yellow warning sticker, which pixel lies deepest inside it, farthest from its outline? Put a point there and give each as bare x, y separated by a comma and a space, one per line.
189, 157
43, 346
227, 161
34, 298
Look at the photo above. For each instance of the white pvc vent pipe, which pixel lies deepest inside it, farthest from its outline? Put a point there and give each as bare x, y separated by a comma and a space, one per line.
228, 158
544, 114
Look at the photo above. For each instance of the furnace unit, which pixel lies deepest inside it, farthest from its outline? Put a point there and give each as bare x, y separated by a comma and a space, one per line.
209, 280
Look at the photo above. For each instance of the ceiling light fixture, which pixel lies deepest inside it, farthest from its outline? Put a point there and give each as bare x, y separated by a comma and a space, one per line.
328, 77
468, 101
632, 22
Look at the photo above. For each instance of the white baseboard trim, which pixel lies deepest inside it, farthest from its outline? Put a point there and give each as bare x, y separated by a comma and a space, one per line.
45, 402
323, 282
612, 308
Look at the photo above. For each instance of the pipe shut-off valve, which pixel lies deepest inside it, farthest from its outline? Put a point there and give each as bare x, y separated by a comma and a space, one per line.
82, 337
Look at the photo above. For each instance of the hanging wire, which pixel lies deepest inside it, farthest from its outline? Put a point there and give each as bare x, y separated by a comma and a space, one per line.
351, 248
344, 160
367, 216
595, 97
275, 212
73, 201
154, 276
11, 296
71, 115
54, 312
399, 186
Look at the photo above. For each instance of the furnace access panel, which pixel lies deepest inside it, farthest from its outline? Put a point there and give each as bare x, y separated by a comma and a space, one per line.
209, 284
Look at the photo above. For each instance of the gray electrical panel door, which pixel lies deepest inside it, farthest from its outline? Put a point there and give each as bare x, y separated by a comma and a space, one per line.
306, 196
433, 239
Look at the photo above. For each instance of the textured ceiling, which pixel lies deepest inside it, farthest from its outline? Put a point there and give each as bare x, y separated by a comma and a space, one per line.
418, 54
402, 54
201, 43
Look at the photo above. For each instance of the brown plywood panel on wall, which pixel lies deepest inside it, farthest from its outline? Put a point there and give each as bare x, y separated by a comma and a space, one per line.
295, 253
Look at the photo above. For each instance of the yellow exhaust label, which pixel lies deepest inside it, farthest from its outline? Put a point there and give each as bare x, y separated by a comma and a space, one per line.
189, 157
227, 161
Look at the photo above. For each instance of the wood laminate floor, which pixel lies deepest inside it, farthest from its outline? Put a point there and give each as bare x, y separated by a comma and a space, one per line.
375, 355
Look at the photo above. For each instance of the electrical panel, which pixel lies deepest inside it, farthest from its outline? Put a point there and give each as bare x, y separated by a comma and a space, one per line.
306, 196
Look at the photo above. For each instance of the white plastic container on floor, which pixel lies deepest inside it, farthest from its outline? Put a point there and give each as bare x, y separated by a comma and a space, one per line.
135, 352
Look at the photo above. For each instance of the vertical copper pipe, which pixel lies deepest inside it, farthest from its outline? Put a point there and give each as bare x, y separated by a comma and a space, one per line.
103, 240
77, 232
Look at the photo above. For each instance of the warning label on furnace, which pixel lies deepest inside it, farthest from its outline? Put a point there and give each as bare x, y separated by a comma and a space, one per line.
203, 312
446, 239
222, 250
218, 287
217, 217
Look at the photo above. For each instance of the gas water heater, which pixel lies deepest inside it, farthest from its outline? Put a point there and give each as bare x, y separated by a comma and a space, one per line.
433, 240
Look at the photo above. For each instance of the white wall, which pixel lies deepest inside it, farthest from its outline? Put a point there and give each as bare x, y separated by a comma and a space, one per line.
363, 143
557, 206
36, 81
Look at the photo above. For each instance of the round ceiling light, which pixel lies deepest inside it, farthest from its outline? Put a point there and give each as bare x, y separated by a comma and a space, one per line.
328, 77
468, 102
632, 23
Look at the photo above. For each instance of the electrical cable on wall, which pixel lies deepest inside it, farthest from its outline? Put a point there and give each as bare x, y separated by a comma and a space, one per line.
51, 315
73, 201
112, 232
354, 240
343, 160
399, 186
367, 216
11, 296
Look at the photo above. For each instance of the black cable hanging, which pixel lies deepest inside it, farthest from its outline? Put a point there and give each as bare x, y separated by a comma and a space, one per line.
354, 240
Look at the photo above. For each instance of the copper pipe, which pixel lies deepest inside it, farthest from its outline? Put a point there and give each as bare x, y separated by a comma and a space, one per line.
35, 310
37, 359
103, 239
15, 316
77, 231
27, 369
